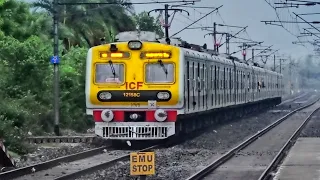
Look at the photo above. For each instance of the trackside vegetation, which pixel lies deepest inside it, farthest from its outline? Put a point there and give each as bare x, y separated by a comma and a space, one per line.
26, 75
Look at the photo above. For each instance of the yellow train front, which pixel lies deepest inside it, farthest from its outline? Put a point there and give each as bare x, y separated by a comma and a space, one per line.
133, 90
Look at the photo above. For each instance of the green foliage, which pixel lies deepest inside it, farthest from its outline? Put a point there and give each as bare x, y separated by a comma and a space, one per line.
148, 23
26, 75
84, 25
72, 89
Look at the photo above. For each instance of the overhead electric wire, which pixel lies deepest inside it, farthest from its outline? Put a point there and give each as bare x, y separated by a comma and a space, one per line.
196, 21
281, 24
127, 3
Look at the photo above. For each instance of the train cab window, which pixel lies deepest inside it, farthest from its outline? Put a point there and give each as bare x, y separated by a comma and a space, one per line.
156, 73
109, 73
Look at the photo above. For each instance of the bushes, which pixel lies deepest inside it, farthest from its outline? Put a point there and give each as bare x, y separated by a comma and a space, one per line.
26, 89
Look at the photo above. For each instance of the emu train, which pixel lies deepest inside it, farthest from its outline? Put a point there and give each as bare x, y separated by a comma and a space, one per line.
144, 90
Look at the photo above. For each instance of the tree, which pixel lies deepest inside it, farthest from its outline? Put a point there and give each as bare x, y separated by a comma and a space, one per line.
89, 23
26, 76
145, 22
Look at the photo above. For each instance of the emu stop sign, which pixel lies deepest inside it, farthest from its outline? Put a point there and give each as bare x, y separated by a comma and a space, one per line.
142, 163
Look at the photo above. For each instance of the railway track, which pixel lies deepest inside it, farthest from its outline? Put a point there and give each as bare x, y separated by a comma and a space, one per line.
252, 157
272, 168
52, 163
62, 139
72, 166
70, 159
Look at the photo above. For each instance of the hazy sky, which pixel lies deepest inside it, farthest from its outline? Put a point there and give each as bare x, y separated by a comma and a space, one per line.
239, 13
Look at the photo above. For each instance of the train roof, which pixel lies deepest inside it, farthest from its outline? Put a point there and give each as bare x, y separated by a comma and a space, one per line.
223, 59
188, 48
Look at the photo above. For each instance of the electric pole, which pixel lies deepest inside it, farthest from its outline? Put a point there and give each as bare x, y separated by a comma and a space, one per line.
216, 45
55, 62
228, 43
274, 62
166, 19
252, 56
166, 23
215, 36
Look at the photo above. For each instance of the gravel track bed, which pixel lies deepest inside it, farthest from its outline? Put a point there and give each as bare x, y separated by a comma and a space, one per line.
312, 129
47, 152
74, 166
180, 161
250, 162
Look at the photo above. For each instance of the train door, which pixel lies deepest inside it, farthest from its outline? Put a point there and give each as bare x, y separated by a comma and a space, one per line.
206, 84
230, 85
211, 86
193, 90
224, 86
197, 84
221, 85
246, 77
186, 85
241, 86
260, 85
202, 86
234, 84
215, 86
189, 84
218, 85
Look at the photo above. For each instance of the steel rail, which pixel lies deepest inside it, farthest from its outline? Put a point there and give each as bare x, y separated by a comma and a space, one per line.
214, 165
51, 163
62, 139
101, 166
282, 153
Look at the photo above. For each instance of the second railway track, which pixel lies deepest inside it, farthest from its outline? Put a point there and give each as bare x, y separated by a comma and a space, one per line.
251, 158
72, 166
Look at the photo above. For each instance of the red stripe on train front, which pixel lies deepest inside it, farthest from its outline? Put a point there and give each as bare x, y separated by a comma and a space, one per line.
119, 116
172, 116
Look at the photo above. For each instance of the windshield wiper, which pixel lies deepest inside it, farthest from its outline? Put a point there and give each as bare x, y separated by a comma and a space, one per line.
163, 67
112, 69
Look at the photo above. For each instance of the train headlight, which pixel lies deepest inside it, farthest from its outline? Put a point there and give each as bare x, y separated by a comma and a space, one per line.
105, 95
135, 45
160, 115
163, 95
134, 116
107, 115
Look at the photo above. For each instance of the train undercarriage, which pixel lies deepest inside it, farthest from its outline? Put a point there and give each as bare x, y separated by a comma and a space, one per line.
183, 125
